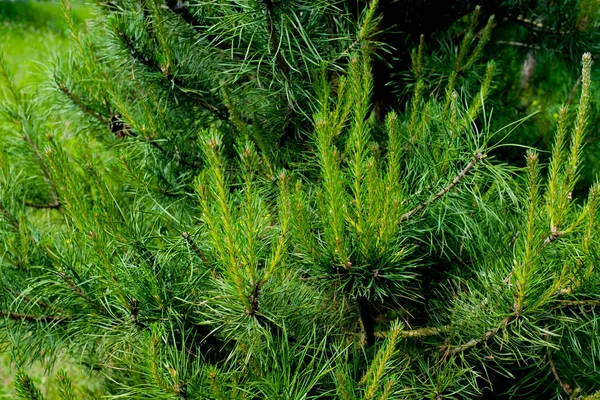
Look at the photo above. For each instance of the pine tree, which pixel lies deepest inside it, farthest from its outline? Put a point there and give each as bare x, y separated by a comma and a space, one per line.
235, 211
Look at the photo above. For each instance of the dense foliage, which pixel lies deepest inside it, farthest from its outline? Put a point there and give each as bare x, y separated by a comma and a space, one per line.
302, 199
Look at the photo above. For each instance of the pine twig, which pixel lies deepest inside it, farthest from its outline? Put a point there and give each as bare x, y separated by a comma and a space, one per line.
194, 246
274, 41
40, 303
474, 342
9, 217
417, 333
82, 106
564, 386
554, 234
45, 172
519, 44
422, 332
54, 205
181, 160
536, 26
574, 89
77, 290
111, 124
178, 7
475, 160
575, 303
153, 66
33, 318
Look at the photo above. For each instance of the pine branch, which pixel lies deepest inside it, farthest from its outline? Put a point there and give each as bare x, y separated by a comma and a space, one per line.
554, 234
146, 183
417, 333
576, 303
76, 289
193, 246
82, 106
367, 321
181, 160
153, 66
519, 44
35, 318
26, 389
120, 129
474, 161
274, 40
9, 217
473, 343
422, 332
134, 307
536, 26
564, 386
53, 205
180, 8
40, 303
45, 172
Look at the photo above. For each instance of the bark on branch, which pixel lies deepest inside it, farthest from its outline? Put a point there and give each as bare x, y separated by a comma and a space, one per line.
474, 161
274, 41
193, 246
9, 217
53, 205
153, 66
472, 343
34, 318
81, 105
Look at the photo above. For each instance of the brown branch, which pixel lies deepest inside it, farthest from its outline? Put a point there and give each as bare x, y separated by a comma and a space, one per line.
194, 246
153, 66
472, 343
34, 318
574, 89
417, 333
181, 160
55, 204
44, 169
575, 303
536, 26
274, 41
422, 332
83, 107
9, 217
476, 159
366, 319
565, 386
73, 286
519, 44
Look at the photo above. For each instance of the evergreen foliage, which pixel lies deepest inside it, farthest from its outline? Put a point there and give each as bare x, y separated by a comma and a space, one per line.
235, 212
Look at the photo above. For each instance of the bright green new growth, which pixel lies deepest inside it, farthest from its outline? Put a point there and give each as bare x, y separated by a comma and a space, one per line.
229, 219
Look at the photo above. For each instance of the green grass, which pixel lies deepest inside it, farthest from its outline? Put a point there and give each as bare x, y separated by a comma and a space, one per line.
86, 385
32, 33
